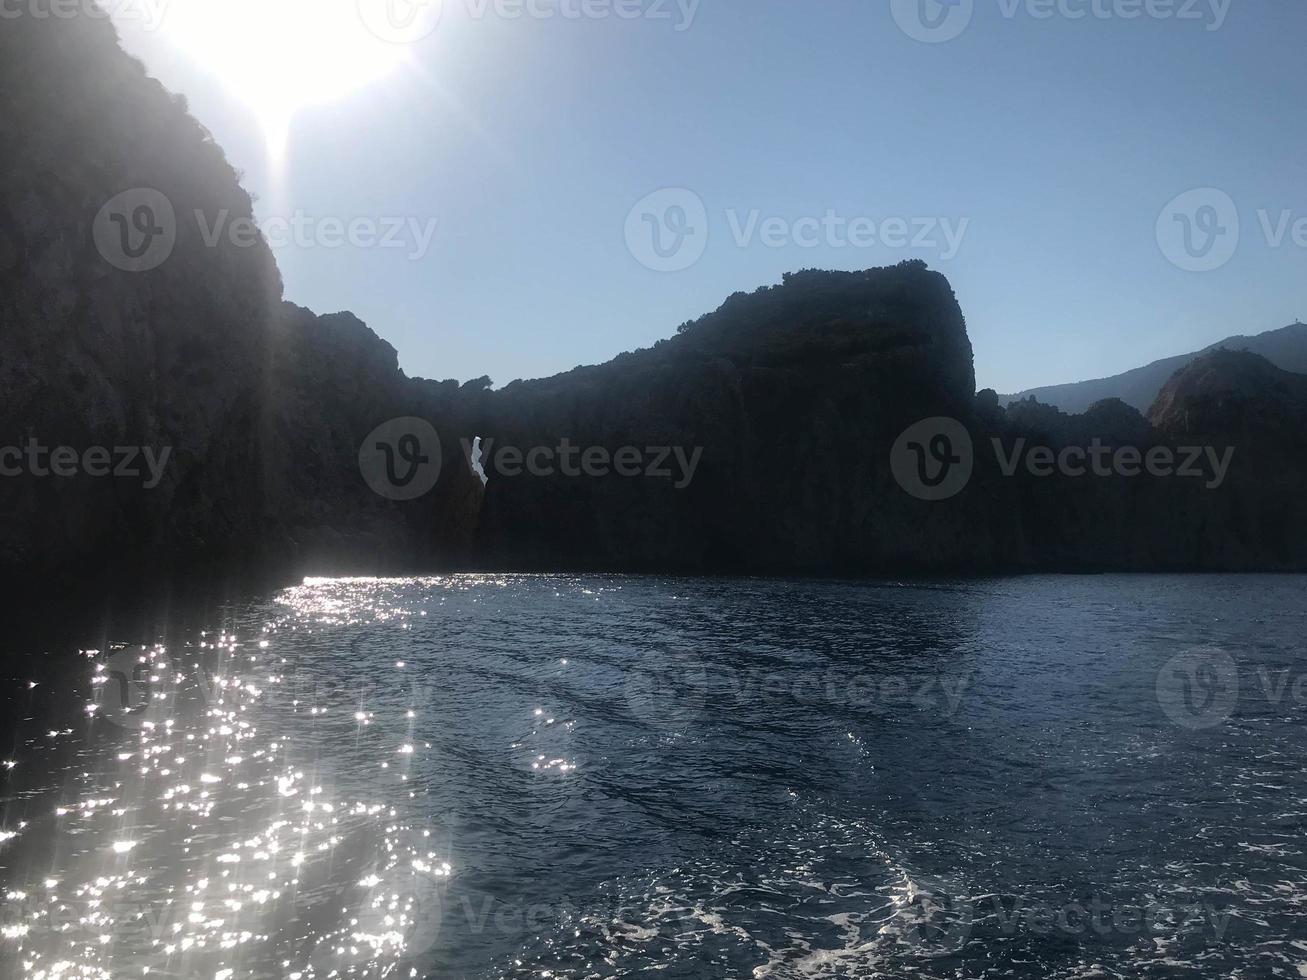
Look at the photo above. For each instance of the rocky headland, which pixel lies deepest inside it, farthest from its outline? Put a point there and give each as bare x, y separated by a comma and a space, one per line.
758, 439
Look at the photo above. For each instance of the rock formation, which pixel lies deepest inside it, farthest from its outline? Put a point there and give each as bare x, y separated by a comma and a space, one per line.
784, 404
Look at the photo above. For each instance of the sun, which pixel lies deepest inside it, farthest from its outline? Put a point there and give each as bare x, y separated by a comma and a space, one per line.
279, 56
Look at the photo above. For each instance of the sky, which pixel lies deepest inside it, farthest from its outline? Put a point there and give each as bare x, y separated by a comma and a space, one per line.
529, 185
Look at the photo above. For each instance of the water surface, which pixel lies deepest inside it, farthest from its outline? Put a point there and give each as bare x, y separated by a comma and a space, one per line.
512, 776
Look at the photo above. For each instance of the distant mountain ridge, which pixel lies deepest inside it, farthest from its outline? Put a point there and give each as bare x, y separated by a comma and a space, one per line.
1286, 348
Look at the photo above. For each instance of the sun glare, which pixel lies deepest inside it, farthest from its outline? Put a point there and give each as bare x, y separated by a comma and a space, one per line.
278, 56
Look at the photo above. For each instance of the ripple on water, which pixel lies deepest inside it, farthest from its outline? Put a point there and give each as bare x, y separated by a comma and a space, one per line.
609, 776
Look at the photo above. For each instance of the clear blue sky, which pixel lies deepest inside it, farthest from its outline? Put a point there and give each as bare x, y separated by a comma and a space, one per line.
529, 140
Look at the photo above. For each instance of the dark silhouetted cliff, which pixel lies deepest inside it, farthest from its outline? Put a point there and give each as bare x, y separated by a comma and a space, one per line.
784, 405
794, 394
257, 402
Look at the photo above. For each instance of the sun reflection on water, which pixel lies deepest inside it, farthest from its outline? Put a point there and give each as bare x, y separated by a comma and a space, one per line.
216, 840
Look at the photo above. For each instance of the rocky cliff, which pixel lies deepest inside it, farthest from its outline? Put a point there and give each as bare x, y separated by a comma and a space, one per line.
791, 396
91, 355
768, 436
145, 338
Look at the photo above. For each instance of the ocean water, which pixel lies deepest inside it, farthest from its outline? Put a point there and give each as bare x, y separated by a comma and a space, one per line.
559, 776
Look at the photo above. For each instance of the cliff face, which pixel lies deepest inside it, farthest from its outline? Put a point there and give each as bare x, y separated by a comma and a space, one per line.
122, 324
91, 355
1238, 396
760, 438
789, 400
1229, 428
1239, 399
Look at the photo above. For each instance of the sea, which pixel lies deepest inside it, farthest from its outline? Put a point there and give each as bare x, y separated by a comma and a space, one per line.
562, 776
